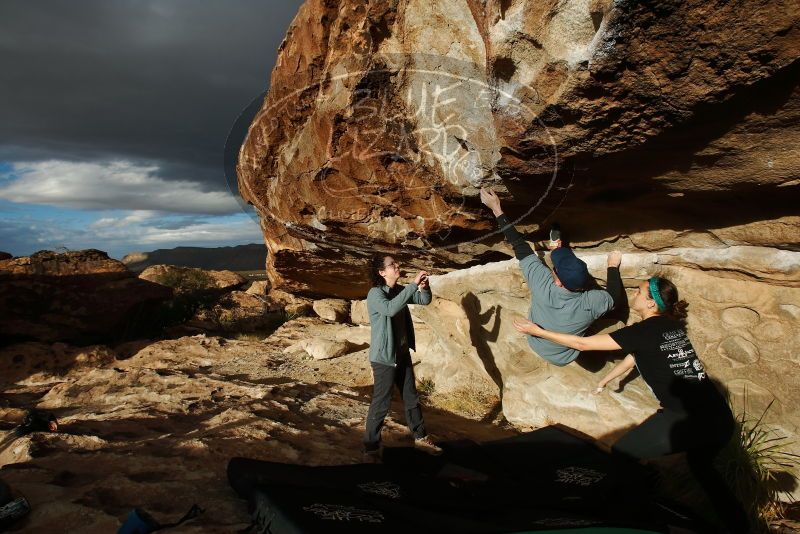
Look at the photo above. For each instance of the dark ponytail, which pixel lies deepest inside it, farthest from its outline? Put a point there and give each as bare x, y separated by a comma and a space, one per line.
375, 265
675, 308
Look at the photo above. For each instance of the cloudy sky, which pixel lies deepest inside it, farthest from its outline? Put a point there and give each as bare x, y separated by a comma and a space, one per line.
114, 118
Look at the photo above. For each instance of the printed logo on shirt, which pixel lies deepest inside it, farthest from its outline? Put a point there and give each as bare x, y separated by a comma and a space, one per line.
674, 334
681, 355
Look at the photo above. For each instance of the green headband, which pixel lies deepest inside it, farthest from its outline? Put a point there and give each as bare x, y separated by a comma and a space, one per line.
655, 294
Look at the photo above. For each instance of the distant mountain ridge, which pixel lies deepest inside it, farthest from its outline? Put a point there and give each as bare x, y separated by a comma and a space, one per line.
239, 258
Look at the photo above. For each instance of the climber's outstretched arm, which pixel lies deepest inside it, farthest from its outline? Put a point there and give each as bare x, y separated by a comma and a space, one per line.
595, 342
627, 363
614, 279
522, 248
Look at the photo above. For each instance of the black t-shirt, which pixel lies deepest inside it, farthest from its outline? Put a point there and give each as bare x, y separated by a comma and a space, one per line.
670, 366
399, 321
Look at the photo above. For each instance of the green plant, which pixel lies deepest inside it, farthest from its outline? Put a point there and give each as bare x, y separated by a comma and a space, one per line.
752, 462
426, 387
186, 280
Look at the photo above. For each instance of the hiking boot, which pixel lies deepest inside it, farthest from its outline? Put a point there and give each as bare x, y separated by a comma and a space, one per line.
427, 445
555, 235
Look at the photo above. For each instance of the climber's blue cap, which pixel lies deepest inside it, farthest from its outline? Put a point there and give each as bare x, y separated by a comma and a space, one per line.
572, 271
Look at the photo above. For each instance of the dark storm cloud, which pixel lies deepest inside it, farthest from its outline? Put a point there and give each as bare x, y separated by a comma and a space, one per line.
158, 81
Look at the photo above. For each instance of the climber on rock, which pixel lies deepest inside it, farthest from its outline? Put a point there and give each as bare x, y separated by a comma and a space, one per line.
560, 299
695, 417
391, 339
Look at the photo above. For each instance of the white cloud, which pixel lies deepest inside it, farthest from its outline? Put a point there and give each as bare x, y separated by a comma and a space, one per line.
136, 231
135, 217
238, 231
151, 230
113, 185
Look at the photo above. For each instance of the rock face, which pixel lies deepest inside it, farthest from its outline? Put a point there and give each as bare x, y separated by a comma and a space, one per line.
743, 323
82, 296
669, 124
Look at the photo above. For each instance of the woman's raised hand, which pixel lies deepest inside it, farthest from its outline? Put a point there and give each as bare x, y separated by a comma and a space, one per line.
424, 283
527, 327
422, 275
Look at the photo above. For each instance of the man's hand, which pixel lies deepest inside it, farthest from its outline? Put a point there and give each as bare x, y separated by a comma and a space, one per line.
614, 259
527, 327
422, 275
552, 245
490, 199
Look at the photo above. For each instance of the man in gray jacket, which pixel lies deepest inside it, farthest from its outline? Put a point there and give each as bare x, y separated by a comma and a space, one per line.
391, 339
561, 300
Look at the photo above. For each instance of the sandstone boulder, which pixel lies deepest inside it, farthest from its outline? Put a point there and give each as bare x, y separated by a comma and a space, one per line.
742, 322
292, 304
337, 310
79, 296
668, 127
324, 349
187, 279
321, 339
259, 288
358, 312
236, 311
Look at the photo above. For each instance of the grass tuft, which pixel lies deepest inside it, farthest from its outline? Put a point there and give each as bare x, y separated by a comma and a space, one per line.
472, 401
755, 464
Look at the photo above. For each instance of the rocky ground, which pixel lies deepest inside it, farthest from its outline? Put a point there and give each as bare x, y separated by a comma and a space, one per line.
152, 424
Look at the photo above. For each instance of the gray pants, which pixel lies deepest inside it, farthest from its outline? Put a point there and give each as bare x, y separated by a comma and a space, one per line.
385, 376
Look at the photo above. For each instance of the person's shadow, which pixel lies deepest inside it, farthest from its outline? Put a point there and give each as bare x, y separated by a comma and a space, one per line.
480, 338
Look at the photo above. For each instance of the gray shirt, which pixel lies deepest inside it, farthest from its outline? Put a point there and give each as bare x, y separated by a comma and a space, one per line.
560, 310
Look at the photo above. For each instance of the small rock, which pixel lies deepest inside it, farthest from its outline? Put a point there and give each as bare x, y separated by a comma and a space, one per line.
323, 349
291, 304
259, 288
337, 310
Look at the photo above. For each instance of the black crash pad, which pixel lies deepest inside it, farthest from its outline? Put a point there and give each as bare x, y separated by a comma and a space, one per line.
538, 481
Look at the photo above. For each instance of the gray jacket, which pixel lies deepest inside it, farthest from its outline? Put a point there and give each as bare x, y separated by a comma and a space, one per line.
381, 309
560, 310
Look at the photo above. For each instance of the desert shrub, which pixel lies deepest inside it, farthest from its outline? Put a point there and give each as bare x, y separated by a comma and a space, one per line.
426, 387
754, 463
188, 280
473, 401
